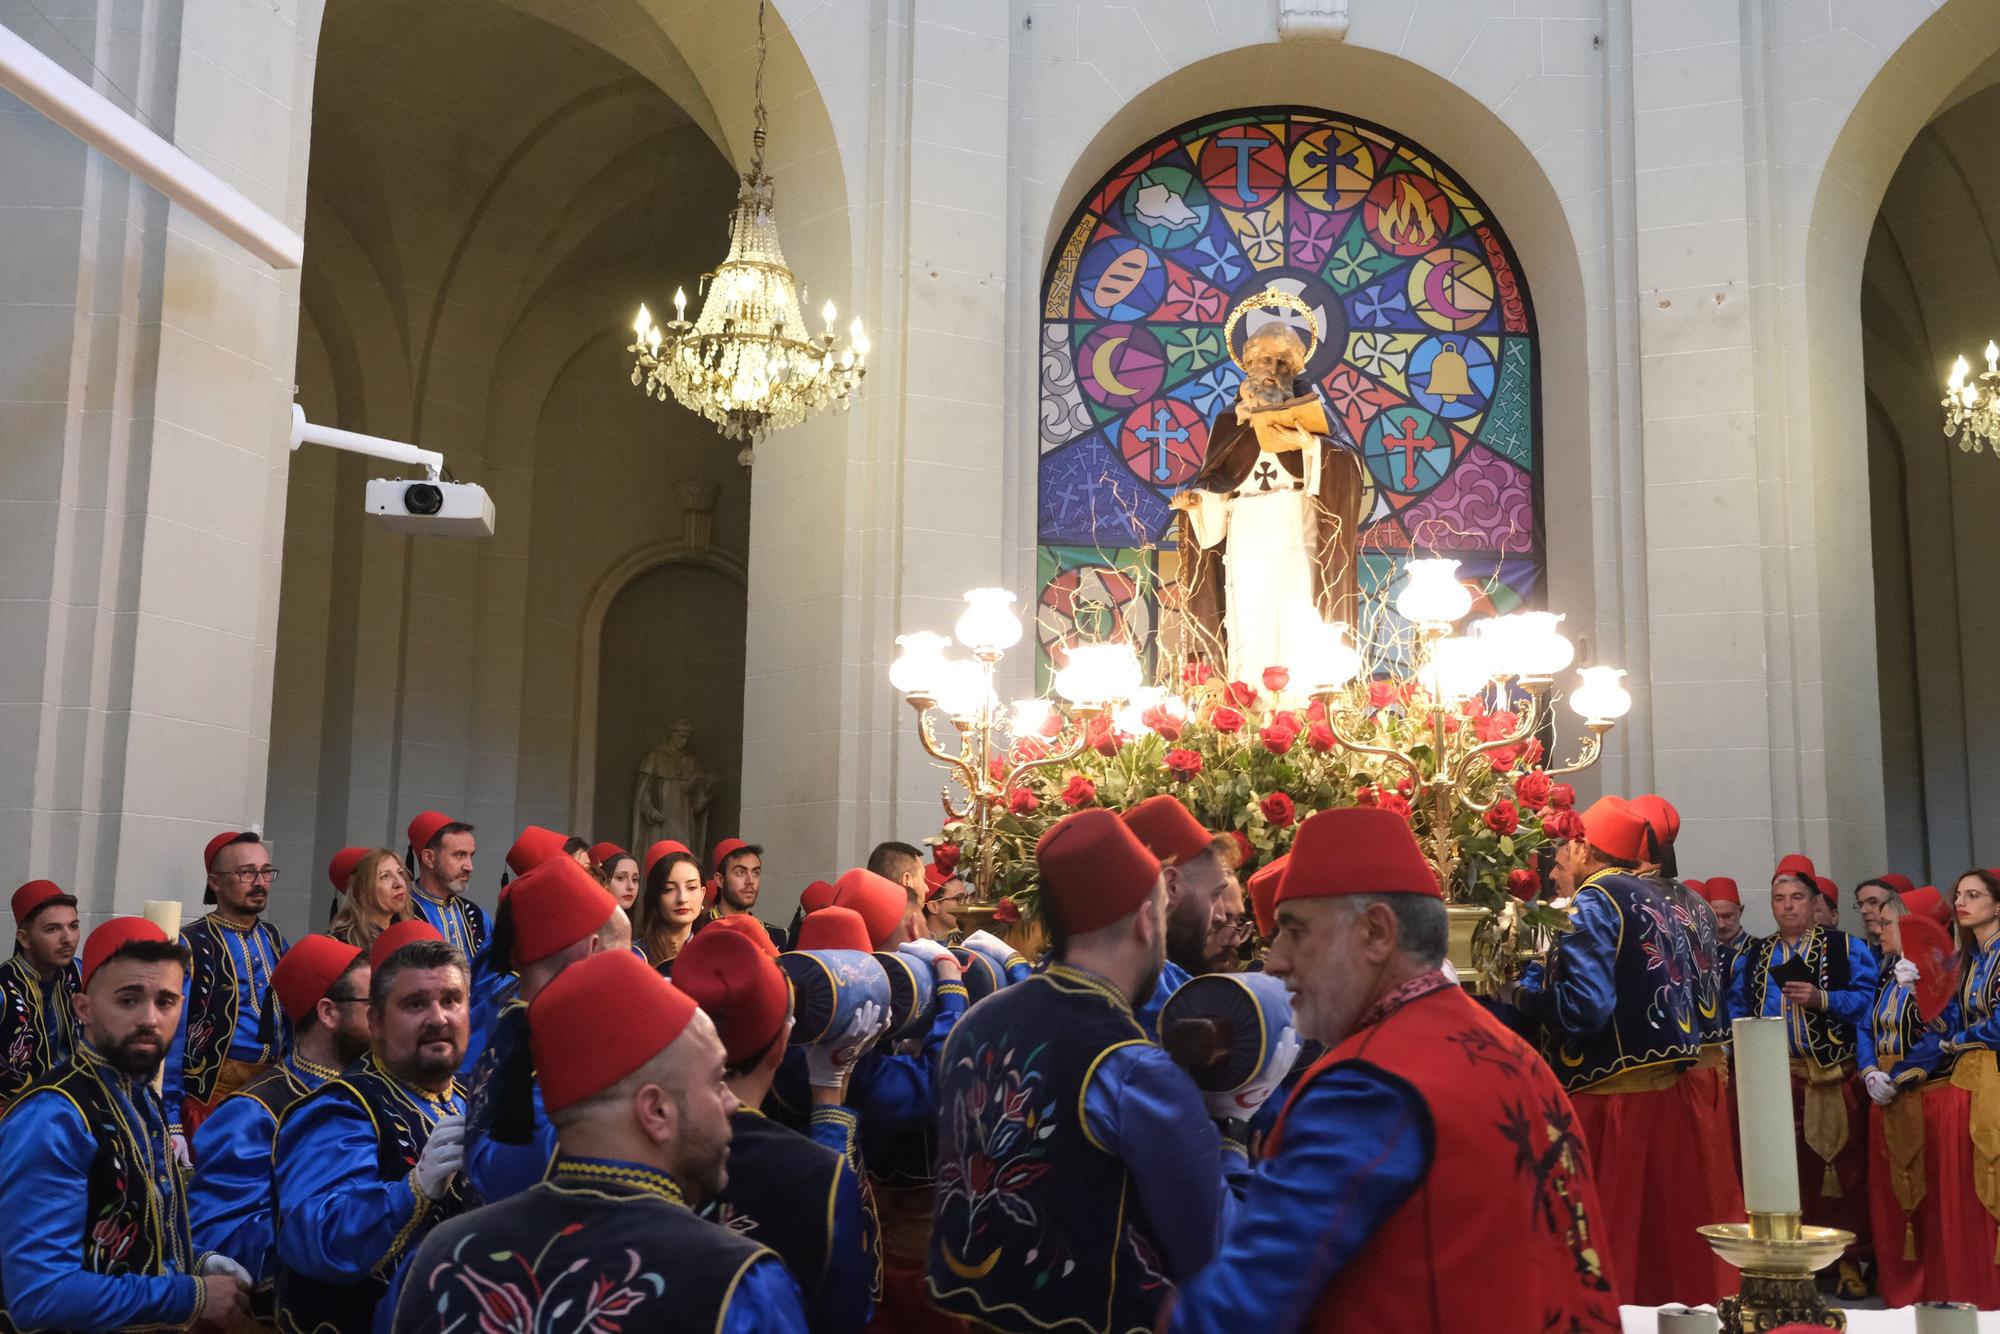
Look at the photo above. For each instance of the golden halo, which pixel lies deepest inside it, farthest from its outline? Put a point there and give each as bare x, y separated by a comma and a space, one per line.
1270, 296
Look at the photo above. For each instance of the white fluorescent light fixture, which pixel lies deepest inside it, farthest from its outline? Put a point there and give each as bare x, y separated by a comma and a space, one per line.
91, 117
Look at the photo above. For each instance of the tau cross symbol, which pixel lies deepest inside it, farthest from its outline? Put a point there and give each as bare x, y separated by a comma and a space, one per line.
1409, 442
1265, 474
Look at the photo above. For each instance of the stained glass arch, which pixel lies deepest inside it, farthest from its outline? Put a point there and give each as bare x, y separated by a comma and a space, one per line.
1427, 351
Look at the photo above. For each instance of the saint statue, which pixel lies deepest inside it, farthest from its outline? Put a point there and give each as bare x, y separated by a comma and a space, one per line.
673, 794
1269, 525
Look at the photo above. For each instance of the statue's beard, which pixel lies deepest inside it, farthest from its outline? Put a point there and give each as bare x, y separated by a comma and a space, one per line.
1260, 392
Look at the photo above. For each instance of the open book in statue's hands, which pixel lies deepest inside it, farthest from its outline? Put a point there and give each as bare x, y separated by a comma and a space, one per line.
1284, 427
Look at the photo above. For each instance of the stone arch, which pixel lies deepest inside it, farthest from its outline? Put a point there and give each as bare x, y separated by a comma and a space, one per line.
590, 634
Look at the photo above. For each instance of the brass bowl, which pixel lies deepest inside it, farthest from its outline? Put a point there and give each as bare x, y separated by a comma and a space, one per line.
1777, 1257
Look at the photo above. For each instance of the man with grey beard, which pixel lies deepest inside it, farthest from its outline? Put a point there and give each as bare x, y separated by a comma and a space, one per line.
1271, 520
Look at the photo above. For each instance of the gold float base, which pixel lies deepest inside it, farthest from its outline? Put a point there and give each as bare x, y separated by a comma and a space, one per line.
1464, 919
1779, 1257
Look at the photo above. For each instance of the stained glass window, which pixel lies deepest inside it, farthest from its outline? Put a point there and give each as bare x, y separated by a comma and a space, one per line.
1427, 353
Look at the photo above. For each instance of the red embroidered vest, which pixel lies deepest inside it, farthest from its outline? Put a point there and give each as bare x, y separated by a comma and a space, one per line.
1503, 1233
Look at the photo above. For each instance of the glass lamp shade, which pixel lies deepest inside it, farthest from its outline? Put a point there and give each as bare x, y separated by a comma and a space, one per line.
921, 664
1099, 674
988, 623
1499, 639
1131, 720
1432, 594
1541, 648
1598, 697
1458, 668
1332, 661
1031, 716
965, 689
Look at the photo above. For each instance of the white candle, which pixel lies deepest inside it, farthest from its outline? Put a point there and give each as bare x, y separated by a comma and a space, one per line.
1947, 1318
165, 914
1764, 1112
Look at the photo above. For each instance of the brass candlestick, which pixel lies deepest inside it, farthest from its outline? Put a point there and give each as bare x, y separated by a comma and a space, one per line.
1779, 1256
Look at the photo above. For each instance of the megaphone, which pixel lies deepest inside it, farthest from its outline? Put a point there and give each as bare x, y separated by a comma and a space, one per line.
1223, 1027
829, 987
912, 986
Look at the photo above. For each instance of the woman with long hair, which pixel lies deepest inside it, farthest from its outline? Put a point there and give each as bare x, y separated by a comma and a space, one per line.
668, 908
378, 895
1970, 1149
619, 871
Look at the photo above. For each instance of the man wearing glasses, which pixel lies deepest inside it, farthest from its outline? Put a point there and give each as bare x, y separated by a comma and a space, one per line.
225, 1040
1870, 897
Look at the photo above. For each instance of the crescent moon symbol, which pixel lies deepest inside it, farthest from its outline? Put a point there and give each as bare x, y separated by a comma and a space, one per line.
1100, 368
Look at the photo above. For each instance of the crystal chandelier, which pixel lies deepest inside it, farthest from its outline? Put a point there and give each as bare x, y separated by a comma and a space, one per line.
1974, 408
746, 362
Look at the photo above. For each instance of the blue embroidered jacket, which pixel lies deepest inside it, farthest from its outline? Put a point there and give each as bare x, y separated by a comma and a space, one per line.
37, 1023
232, 1200
229, 971
503, 1160
1895, 1040
458, 919
1842, 967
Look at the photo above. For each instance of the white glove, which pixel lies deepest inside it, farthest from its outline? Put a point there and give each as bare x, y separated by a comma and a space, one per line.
1450, 973
443, 1156
222, 1264
1907, 973
1244, 1102
180, 1147
829, 1060
930, 951
1880, 1087
988, 943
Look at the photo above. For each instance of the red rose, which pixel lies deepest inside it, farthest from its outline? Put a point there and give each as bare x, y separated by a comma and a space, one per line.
1368, 796
1390, 801
1316, 711
1381, 694
1562, 826
1562, 796
1495, 726
1006, 911
1406, 785
1239, 694
1532, 789
1079, 792
1029, 748
1161, 723
1534, 750
1320, 737
1276, 679
1196, 674
1278, 809
946, 857
1523, 883
1502, 760
1503, 817
997, 766
1183, 764
1100, 737
1277, 738
1022, 802
1226, 719
1052, 725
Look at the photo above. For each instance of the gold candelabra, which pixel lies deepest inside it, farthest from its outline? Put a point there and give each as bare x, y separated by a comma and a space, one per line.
1779, 1257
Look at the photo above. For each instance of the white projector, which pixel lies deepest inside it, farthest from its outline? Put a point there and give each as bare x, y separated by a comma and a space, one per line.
431, 509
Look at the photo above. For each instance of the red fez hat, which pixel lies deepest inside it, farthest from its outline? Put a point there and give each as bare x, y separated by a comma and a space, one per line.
1721, 889
935, 879
341, 868
1167, 829
666, 847
217, 844
723, 849
881, 902
1900, 884
603, 854
834, 928
1925, 901
1694, 885
32, 897
1660, 816
1797, 864
1611, 825
114, 936
1094, 870
398, 935
535, 846
819, 894
743, 924
1827, 889
739, 986
554, 906
425, 828
1355, 850
1263, 889
308, 971
651, 1013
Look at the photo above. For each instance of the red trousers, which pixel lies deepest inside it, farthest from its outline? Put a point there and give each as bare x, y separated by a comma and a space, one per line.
1964, 1263
1846, 1205
906, 1307
1660, 1174
1903, 1278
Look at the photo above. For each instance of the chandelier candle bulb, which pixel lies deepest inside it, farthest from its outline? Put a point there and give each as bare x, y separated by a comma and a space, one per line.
1432, 593
680, 305
1598, 697
918, 668
988, 625
1764, 1110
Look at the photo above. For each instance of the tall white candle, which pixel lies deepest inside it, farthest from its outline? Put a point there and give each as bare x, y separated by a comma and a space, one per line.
165, 914
1764, 1112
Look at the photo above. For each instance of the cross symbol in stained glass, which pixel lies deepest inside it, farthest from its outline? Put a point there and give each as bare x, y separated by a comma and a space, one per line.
1157, 435
1409, 442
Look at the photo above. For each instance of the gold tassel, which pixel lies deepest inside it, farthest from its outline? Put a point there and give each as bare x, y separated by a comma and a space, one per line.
1909, 1242
1829, 1187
